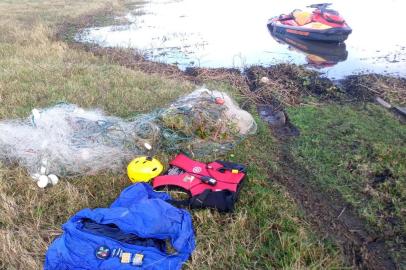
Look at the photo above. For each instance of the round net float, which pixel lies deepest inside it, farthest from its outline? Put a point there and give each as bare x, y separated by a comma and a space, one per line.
53, 179
219, 100
43, 181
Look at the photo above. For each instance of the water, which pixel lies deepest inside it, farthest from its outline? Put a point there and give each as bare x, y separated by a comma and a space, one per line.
214, 33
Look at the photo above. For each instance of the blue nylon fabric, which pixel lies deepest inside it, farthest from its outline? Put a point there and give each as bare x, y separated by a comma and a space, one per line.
138, 210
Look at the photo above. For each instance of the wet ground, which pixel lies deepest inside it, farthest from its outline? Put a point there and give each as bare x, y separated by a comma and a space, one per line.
234, 34
362, 247
274, 90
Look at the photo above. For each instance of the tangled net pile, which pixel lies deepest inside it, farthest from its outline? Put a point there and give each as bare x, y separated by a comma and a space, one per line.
70, 141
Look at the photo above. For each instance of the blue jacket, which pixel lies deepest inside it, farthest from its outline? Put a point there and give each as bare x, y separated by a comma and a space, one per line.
142, 222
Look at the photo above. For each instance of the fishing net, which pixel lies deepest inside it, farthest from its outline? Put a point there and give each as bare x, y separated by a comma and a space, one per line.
67, 140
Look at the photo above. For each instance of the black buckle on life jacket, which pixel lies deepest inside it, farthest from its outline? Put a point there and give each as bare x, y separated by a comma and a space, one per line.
208, 180
231, 166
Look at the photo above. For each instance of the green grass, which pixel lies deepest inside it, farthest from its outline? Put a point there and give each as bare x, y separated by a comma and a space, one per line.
43, 73
346, 148
267, 231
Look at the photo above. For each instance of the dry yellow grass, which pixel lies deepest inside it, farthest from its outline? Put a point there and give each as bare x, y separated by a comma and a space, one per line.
267, 231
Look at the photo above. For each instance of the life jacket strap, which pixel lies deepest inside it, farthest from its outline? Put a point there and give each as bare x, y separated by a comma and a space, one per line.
223, 200
222, 171
192, 183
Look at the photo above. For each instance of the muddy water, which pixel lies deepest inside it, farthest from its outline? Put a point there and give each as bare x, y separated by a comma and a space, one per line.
213, 33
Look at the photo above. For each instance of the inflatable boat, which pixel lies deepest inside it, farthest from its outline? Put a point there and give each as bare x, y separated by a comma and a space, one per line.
321, 24
318, 54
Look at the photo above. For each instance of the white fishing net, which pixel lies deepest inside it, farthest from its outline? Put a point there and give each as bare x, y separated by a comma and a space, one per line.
67, 140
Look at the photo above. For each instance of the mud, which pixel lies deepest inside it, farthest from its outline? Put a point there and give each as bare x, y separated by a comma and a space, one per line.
363, 248
274, 118
381, 177
278, 121
400, 113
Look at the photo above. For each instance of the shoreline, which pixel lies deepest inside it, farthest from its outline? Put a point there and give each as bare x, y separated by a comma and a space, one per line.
361, 87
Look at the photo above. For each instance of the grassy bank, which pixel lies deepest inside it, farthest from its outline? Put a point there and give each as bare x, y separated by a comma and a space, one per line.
359, 152
267, 231
349, 149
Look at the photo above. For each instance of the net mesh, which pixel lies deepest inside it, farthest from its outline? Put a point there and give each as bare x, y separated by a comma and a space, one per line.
67, 140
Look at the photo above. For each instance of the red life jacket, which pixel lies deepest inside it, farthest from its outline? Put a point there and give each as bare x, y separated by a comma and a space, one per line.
215, 184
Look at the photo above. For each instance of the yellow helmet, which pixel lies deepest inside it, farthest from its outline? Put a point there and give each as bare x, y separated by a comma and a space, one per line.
143, 169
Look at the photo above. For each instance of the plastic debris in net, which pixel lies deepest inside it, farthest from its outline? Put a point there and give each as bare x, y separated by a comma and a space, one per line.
66, 140
204, 123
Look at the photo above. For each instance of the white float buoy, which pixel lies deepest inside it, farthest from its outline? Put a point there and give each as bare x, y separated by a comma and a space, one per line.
53, 179
264, 80
43, 181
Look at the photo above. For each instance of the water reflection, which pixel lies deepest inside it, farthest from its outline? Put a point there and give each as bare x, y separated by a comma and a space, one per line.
317, 54
214, 33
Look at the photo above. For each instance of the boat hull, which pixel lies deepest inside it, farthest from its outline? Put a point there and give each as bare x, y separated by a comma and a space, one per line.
325, 35
330, 53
